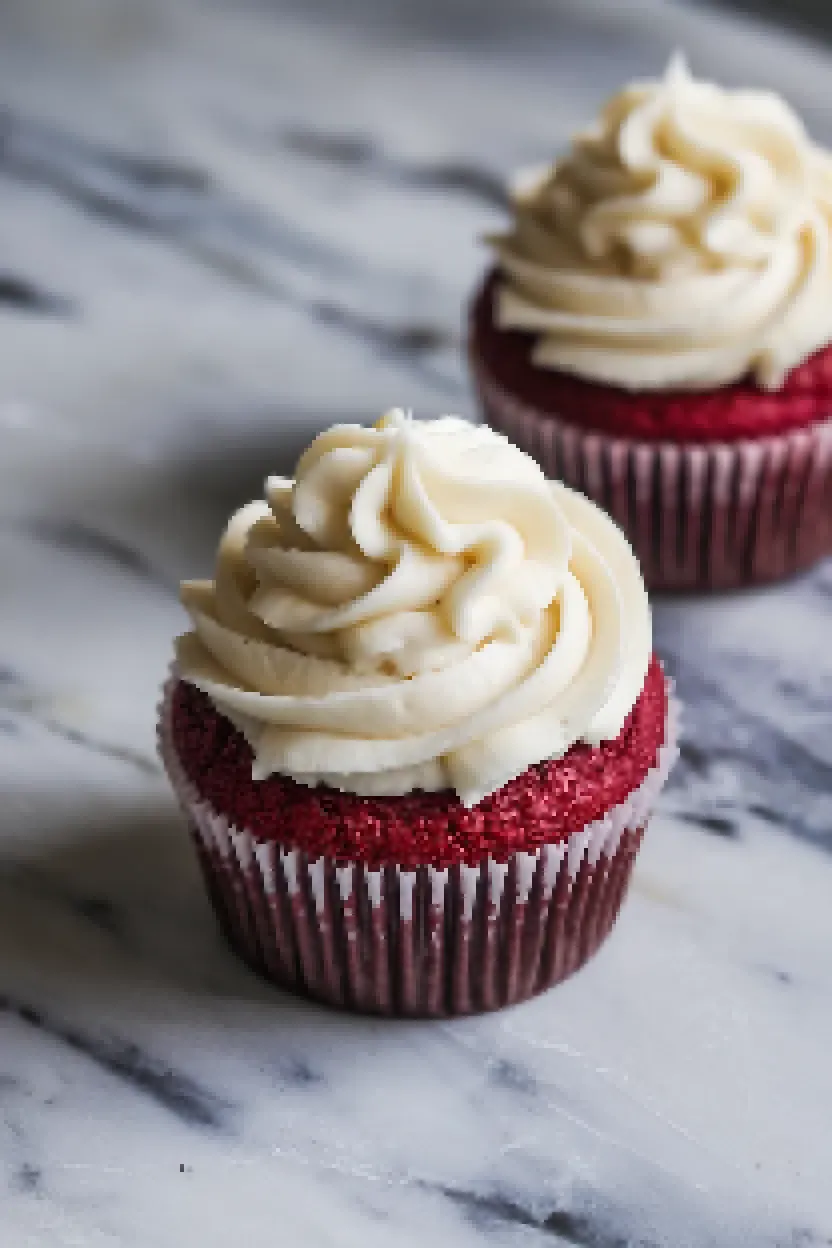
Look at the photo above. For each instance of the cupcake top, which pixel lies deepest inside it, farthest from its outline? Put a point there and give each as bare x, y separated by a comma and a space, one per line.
420, 609
682, 243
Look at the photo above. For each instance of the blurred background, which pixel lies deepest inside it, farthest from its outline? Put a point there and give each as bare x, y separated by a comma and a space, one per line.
814, 16
189, 186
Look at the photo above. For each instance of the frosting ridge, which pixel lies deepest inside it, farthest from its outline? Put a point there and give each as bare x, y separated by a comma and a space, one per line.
682, 242
419, 609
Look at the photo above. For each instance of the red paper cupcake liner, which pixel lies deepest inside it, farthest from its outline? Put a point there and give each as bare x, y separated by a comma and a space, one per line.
423, 942
699, 515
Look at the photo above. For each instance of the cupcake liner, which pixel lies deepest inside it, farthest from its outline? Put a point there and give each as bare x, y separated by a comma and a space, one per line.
699, 515
424, 942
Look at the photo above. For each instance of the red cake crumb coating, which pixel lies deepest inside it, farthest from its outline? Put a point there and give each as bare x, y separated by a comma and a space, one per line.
545, 805
724, 414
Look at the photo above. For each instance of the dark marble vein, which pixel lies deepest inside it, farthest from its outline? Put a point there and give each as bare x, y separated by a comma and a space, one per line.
495, 1210
154, 174
512, 1076
118, 753
28, 1178
74, 736
812, 17
777, 770
411, 343
19, 701
43, 886
700, 694
489, 1209
765, 813
182, 204
77, 538
358, 152
578, 1229
405, 338
188, 209
693, 757
100, 913
297, 1072
598, 1222
177, 1093
804, 696
717, 825
801, 1237
22, 295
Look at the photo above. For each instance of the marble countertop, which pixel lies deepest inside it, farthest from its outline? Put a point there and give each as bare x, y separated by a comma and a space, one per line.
223, 225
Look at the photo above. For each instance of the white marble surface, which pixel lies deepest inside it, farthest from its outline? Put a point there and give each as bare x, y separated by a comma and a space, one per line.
223, 225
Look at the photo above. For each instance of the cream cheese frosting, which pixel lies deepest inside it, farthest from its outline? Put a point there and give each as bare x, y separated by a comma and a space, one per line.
418, 609
683, 242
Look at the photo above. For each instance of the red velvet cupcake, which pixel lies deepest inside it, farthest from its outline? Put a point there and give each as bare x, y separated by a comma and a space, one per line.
417, 729
656, 330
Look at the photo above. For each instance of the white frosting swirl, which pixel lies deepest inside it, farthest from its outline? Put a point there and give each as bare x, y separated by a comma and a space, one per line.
419, 609
683, 242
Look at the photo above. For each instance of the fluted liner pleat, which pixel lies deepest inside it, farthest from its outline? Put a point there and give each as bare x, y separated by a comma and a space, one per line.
423, 942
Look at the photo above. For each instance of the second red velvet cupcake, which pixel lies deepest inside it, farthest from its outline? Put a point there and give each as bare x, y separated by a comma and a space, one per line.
656, 330
418, 729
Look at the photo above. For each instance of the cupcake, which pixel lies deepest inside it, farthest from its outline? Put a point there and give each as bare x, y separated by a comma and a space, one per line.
655, 330
417, 728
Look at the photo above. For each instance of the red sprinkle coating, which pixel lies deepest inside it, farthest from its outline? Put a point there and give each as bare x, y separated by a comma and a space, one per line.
544, 805
724, 414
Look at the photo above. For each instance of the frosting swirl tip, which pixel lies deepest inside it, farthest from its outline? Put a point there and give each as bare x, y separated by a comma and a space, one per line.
682, 242
418, 608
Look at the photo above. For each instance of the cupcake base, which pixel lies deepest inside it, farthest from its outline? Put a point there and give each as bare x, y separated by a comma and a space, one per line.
409, 943
704, 515
423, 942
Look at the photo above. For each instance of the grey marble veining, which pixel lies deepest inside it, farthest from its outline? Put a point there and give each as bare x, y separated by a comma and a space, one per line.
223, 226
